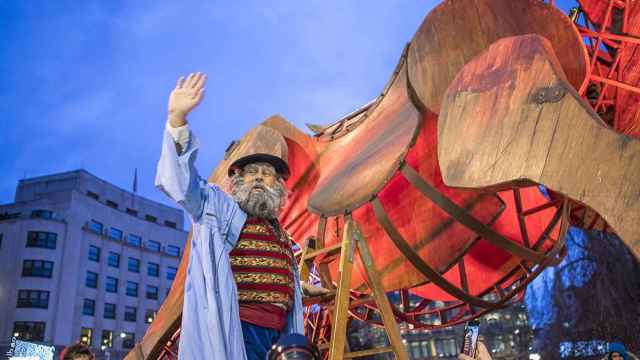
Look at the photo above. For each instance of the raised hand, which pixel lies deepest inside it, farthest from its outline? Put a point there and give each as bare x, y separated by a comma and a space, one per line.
187, 94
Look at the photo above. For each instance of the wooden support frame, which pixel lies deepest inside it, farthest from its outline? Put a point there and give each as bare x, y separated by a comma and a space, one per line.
353, 240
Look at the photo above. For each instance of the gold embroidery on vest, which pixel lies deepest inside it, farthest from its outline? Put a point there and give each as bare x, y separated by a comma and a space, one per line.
262, 296
256, 229
259, 261
261, 245
261, 278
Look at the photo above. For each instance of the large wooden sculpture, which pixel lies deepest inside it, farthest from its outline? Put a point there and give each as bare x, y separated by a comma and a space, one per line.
522, 121
370, 206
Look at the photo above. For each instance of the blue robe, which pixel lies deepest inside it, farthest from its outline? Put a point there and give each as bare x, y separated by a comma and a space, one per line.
211, 327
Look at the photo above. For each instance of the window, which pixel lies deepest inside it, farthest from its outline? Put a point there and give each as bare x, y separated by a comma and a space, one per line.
93, 195
415, 350
42, 214
37, 268
33, 299
91, 280
152, 292
29, 330
111, 285
149, 316
109, 311
152, 245
107, 338
173, 250
115, 234
94, 253
9, 216
132, 212
170, 224
171, 272
96, 226
89, 307
112, 204
130, 313
134, 240
132, 288
42, 239
134, 265
153, 269
86, 334
449, 347
150, 218
114, 259
128, 340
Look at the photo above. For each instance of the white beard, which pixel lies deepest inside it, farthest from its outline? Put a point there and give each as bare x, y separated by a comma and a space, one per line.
265, 204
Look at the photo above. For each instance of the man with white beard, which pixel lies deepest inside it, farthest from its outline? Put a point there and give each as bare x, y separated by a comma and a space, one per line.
242, 288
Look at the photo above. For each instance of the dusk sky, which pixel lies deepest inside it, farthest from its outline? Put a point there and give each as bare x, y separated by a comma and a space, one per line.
85, 83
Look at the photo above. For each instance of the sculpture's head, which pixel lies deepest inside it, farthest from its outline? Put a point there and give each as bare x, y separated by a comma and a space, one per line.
259, 189
259, 172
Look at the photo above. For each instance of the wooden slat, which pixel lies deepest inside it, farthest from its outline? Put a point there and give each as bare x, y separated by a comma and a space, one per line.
386, 313
341, 311
328, 251
357, 354
309, 245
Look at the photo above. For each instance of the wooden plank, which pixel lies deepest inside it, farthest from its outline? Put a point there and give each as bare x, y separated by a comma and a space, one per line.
384, 307
456, 31
523, 123
368, 352
309, 245
341, 310
328, 251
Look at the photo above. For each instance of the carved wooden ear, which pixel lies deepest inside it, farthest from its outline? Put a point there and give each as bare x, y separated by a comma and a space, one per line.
510, 116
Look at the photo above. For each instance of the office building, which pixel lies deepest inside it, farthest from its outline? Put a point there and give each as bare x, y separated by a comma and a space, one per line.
83, 260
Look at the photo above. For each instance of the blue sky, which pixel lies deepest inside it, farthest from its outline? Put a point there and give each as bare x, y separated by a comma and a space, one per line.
85, 83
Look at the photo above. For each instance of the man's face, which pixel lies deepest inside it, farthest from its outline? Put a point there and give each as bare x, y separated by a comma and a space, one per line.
616, 356
258, 175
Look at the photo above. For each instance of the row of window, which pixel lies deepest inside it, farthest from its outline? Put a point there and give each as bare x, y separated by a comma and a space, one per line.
128, 339
44, 268
33, 299
109, 311
111, 285
42, 239
34, 331
132, 212
153, 269
48, 240
133, 239
39, 213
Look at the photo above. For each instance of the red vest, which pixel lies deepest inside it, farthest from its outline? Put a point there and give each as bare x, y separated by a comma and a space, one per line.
262, 266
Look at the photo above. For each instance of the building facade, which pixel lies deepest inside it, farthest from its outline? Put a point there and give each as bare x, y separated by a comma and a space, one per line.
83, 260
507, 335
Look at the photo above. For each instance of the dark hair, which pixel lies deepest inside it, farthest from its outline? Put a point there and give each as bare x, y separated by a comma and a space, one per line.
77, 349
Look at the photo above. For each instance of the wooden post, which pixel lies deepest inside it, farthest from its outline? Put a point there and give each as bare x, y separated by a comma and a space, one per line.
384, 306
341, 308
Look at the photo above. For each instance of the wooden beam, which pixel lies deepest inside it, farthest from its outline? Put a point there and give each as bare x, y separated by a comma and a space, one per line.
341, 311
389, 320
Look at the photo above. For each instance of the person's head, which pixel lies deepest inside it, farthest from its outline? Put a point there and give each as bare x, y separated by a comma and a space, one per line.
77, 351
259, 189
617, 351
293, 347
